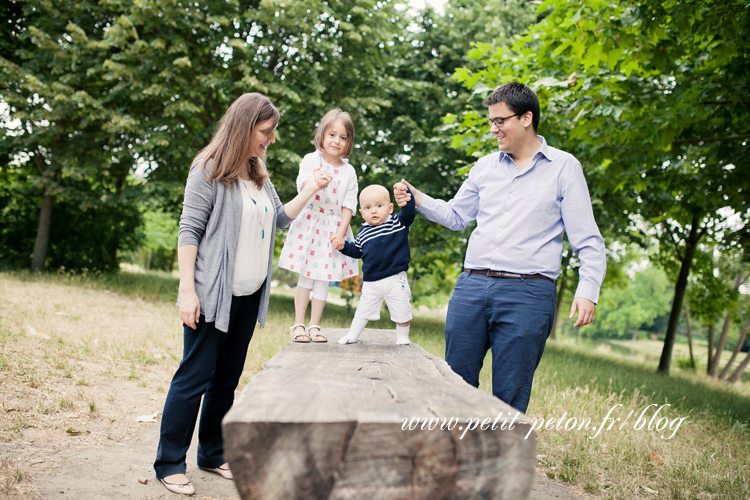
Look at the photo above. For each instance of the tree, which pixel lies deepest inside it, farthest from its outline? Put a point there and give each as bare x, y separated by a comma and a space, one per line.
742, 239
159, 239
626, 311
103, 87
688, 327
715, 298
307, 56
735, 376
410, 139
736, 351
389, 70
652, 99
739, 279
70, 125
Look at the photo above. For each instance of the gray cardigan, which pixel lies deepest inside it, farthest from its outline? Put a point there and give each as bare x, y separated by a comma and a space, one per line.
211, 215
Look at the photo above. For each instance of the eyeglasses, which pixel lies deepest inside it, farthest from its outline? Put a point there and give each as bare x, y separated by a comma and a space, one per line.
500, 121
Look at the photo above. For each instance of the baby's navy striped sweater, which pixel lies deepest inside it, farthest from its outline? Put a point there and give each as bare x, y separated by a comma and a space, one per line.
384, 249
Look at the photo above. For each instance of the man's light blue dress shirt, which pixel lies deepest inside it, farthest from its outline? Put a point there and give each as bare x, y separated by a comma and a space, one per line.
521, 217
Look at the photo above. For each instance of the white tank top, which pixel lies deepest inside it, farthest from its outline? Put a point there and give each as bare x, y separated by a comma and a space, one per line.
254, 242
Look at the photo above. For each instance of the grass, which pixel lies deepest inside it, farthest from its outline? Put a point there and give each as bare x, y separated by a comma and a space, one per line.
63, 338
700, 350
707, 457
63, 343
148, 286
11, 477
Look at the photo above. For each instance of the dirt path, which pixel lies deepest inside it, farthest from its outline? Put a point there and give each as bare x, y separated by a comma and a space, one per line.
100, 465
112, 472
103, 458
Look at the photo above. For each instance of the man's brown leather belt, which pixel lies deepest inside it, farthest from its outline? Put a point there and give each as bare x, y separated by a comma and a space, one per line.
503, 274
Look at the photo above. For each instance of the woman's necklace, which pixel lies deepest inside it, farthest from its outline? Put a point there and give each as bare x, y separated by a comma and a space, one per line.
257, 210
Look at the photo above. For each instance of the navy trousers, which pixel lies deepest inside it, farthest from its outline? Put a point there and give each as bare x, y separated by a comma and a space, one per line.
211, 367
513, 317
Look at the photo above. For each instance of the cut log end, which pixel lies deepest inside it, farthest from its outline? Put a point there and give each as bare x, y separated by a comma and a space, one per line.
332, 422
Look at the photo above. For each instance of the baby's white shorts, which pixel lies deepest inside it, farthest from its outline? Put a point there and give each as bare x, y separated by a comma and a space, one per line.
394, 290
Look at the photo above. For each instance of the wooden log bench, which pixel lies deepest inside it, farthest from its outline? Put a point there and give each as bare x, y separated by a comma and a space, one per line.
330, 421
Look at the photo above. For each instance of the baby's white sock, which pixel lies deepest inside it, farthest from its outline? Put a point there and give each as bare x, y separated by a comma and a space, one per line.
354, 331
402, 335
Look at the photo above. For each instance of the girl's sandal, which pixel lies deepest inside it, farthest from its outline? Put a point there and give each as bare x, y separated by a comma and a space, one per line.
302, 336
316, 337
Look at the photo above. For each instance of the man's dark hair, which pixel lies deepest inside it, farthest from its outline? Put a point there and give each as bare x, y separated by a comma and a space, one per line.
518, 97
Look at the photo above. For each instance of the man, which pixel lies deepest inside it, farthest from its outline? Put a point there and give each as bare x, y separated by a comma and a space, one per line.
523, 198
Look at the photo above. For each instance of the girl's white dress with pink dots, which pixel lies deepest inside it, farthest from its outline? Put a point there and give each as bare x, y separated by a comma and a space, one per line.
308, 249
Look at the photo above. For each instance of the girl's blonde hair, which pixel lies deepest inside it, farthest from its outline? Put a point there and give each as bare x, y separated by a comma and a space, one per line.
230, 149
327, 122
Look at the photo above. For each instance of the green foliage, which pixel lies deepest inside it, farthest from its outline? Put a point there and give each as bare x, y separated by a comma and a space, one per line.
414, 142
88, 239
86, 234
100, 88
70, 135
158, 243
686, 364
713, 289
618, 86
625, 311
652, 98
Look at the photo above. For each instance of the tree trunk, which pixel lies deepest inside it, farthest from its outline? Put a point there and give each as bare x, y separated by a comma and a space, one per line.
42, 233
45, 217
738, 372
720, 346
691, 244
724, 330
114, 264
737, 348
710, 347
562, 285
689, 335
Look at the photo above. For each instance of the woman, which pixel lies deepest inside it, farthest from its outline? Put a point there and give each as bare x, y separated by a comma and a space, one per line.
225, 251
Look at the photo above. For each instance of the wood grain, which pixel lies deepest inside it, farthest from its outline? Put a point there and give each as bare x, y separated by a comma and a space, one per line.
326, 421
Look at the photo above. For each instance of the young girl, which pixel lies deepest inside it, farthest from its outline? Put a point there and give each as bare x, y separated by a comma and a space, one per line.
308, 250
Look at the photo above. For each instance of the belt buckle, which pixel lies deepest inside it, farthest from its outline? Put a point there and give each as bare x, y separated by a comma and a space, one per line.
487, 273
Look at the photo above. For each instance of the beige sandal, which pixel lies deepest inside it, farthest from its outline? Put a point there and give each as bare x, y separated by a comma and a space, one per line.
301, 337
316, 337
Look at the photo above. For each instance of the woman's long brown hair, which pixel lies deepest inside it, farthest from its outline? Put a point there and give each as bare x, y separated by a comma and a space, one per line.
230, 149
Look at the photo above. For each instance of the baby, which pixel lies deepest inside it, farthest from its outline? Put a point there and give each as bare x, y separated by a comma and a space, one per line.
383, 245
